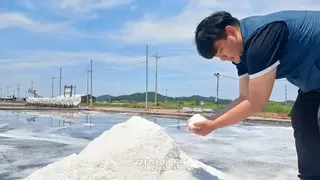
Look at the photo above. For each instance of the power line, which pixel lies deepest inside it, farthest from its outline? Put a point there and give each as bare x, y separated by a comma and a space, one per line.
127, 64
75, 75
130, 64
230, 77
177, 54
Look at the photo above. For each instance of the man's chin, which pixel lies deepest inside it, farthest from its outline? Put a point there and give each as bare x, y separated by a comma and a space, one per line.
237, 60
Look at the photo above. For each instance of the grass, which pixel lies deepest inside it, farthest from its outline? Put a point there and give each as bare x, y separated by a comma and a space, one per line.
272, 107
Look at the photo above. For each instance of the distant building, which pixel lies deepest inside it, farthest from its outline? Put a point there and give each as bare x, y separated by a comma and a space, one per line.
84, 98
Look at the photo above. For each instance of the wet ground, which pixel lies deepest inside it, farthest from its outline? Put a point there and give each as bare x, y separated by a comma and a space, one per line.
31, 140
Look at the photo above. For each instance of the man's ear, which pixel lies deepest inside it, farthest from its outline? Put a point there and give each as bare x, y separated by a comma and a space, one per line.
230, 30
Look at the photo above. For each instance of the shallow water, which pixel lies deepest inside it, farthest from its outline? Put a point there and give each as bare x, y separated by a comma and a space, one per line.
31, 140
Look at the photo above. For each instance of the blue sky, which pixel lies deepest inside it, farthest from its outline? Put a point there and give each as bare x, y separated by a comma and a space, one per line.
38, 37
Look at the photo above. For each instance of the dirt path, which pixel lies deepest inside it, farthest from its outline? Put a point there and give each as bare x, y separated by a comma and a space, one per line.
172, 113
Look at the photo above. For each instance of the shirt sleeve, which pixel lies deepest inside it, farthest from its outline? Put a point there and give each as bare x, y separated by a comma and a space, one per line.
242, 69
264, 48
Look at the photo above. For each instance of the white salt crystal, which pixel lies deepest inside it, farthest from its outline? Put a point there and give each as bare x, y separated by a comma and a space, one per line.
195, 118
135, 150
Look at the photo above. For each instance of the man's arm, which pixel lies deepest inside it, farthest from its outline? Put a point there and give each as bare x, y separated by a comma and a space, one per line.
262, 58
260, 90
243, 95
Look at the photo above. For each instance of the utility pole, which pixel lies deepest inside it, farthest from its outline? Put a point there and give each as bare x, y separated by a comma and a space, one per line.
146, 77
8, 91
74, 92
18, 90
1, 92
156, 81
110, 97
32, 85
88, 71
218, 77
60, 81
285, 93
52, 84
91, 82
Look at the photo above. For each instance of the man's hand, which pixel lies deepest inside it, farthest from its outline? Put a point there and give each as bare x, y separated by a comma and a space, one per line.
202, 128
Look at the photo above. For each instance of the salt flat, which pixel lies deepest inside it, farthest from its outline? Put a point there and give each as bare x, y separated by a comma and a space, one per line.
245, 151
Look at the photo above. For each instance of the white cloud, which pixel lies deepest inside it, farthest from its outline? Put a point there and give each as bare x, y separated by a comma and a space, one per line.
47, 59
27, 4
74, 11
180, 28
88, 5
16, 19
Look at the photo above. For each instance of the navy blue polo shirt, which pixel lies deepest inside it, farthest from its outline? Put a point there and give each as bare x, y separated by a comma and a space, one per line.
263, 50
288, 40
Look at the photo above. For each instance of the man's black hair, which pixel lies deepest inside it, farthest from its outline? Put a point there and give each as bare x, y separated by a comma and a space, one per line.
211, 29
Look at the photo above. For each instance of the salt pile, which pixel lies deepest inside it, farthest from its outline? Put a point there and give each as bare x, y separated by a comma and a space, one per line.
137, 149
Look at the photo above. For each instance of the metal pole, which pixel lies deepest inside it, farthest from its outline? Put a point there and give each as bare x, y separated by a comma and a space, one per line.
91, 82
218, 77
285, 91
52, 85
156, 84
156, 81
60, 82
18, 89
8, 91
32, 85
52, 88
146, 77
88, 85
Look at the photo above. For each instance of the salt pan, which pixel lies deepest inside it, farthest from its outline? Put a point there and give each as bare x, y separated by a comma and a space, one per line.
137, 149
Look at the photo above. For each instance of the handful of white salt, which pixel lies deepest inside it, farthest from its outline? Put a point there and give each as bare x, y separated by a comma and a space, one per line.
195, 118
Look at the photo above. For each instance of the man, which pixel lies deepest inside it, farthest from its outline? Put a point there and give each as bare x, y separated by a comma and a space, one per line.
284, 44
